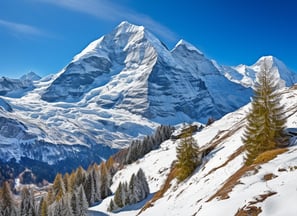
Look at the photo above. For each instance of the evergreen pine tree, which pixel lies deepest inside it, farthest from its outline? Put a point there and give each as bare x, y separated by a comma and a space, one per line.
8, 205
82, 203
111, 206
73, 202
57, 208
138, 148
58, 187
89, 188
265, 120
126, 194
188, 157
51, 211
72, 181
105, 181
132, 189
66, 204
110, 165
50, 197
27, 203
97, 184
79, 177
67, 183
43, 207
142, 184
118, 196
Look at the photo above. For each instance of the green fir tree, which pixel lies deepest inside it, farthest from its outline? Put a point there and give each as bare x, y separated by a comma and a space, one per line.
265, 120
188, 157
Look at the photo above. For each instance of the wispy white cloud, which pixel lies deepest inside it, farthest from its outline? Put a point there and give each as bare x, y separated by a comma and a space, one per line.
20, 28
110, 11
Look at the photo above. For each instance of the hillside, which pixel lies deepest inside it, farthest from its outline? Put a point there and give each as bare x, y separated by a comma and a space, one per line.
220, 184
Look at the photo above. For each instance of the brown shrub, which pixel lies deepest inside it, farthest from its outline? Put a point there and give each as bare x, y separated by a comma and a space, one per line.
269, 176
249, 211
269, 155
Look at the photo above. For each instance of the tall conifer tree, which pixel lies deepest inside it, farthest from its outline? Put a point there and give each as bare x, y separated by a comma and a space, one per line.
7, 203
187, 155
43, 207
81, 202
58, 187
27, 203
105, 181
265, 120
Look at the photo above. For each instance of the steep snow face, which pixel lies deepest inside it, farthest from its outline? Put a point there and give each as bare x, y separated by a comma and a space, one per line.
225, 95
246, 75
131, 69
117, 65
268, 186
176, 95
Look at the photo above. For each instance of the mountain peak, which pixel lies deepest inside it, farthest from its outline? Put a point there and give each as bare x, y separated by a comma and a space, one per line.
30, 76
126, 24
119, 37
271, 61
268, 59
188, 46
125, 27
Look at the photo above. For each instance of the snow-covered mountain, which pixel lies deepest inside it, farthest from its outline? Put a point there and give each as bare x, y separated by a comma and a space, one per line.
131, 69
119, 87
245, 75
221, 184
17, 87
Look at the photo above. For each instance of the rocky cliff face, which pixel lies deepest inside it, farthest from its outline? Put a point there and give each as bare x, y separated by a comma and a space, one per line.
132, 70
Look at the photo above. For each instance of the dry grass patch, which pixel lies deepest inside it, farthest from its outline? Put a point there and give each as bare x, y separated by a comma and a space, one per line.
251, 209
269, 155
262, 197
223, 192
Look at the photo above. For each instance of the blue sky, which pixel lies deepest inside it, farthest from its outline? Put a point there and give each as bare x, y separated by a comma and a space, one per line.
44, 35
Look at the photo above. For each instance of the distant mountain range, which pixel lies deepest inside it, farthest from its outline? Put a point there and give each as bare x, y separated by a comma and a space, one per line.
119, 87
17, 87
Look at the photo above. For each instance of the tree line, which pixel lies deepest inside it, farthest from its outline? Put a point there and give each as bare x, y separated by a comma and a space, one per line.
127, 194
69, 195
139, 148
72, 194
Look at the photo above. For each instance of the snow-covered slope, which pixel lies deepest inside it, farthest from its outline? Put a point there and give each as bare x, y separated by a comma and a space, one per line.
269, 187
